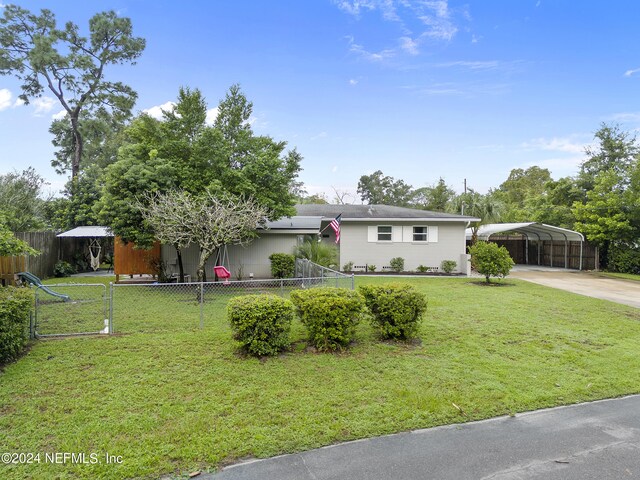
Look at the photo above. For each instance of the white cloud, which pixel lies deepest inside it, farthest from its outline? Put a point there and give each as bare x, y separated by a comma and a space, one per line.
156, 112
625, 117
18, 103
371, 56
5, 99
633, 71
60, 115
320, 135
334, 169
409, 45
43, 105
567, 145
434, 20
477, 65
353, 81
212, 114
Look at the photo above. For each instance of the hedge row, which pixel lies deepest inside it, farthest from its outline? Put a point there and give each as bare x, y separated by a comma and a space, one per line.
261, 323
15, 310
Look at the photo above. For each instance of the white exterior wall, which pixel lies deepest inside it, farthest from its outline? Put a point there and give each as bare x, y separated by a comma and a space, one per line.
446, 242
254, 258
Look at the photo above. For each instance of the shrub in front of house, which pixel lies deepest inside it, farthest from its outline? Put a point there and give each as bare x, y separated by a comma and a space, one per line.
397, 264
396, 309
261, 324
371, 268
491, 260
347, 267
448, 266
330, 315
15, 309
283, 265
422, 269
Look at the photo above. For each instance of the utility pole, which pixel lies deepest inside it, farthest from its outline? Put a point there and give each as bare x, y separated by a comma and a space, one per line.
465, 192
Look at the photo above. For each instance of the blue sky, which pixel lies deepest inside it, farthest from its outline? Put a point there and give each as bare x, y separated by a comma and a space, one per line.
417, 89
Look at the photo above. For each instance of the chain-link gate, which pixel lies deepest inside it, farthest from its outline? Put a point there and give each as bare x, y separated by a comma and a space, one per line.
71, 309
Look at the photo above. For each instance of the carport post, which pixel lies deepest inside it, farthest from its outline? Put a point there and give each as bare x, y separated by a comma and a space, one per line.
565, 254
580, 254
526, 249
551, 256
538, 242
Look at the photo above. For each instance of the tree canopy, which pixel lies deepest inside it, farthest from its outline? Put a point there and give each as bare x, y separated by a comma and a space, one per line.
69, 65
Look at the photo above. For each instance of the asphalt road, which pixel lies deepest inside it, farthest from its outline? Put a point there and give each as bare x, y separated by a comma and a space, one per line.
598, 440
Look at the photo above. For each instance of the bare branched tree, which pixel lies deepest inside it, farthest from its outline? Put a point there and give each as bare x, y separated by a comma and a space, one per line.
208, 220
169, 215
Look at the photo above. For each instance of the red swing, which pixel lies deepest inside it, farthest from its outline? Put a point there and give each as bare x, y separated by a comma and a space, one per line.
220, 270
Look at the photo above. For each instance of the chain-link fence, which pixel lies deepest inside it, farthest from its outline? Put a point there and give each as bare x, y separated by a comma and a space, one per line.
161, 307
70, 309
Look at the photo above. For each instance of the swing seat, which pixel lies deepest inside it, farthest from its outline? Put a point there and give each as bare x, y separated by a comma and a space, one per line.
222, 272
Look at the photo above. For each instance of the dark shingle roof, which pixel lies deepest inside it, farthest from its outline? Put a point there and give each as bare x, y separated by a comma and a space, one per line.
364, 212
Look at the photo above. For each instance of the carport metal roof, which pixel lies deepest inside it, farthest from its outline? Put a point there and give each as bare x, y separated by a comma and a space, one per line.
532, 230
87, 232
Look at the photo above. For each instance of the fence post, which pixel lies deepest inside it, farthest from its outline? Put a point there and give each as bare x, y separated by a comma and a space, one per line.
282, 288
201, 305
35, 315
110, 308
353, 281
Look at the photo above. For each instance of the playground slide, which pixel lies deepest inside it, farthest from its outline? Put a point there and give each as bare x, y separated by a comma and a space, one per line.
33, 280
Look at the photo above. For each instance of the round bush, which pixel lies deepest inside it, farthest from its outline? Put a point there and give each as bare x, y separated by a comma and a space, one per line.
330, 315
396, 309
15, 306
491, 260
261, 323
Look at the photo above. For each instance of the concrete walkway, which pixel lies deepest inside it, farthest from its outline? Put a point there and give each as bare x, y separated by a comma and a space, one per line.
598, 440
626, 292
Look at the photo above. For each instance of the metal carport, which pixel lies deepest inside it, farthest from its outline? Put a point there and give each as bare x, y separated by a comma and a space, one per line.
533, 230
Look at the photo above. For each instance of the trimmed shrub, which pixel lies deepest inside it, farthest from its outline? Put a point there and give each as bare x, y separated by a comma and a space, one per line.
624, 259
63, 269
371, 268
490, 260
448, 266
15, 306
397, 264
283, 265
422, 269
261, 323
330, 315
347, 267
396, 309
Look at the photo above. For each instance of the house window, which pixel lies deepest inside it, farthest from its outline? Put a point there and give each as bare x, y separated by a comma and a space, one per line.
420, 234
384, 233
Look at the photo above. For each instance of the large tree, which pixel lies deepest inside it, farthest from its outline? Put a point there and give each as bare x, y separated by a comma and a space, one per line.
435, 197
474, 204
379, 188
69, 65
182, 152
21, 205
517, 191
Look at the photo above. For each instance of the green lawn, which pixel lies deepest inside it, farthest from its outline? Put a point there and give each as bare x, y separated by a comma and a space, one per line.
174, 398
624, 276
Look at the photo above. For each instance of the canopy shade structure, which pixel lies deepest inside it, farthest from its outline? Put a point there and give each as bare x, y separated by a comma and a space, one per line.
533, 231
87, 232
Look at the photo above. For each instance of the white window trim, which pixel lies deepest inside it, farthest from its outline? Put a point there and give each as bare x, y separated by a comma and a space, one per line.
384, 233
413, 233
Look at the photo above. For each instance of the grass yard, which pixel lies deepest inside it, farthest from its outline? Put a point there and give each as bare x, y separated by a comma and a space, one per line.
174, 400
623, 276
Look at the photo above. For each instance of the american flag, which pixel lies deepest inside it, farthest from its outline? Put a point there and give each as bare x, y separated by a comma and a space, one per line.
335, 225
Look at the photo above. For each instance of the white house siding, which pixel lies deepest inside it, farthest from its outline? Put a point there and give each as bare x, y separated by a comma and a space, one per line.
254, 258
358, 246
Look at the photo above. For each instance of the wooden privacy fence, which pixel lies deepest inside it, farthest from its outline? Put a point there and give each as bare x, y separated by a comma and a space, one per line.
129, 260
9, 266
552, 254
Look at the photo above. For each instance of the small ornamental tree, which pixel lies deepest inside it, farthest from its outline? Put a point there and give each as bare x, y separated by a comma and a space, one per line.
490, 260
10, 245
283, 265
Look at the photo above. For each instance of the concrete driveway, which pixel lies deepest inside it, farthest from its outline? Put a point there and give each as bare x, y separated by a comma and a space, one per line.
599, 440
626, 292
